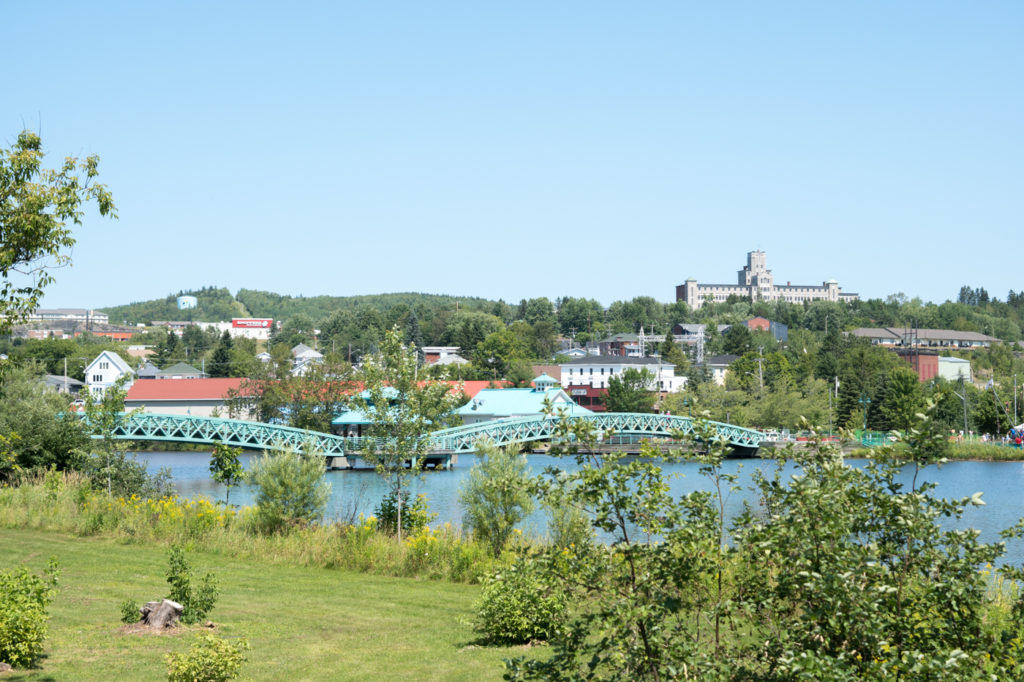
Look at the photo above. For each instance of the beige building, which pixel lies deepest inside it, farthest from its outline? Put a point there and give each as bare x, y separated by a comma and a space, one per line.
756, 282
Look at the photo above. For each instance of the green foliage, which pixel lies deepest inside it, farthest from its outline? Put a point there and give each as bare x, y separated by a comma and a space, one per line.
290, 488
36, 205
220, 362
209, 659
841, 573
467, 329
215, 304
632, 391
197, 597
130, 612
402, 412
497, 353
496, 494
38, 429
24, 599
568, 526
309, 401
520, 604
121, 474
416, 515
671, 353
225, 467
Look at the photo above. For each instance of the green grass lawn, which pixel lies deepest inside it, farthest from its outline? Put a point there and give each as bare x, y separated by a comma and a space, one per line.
301, 623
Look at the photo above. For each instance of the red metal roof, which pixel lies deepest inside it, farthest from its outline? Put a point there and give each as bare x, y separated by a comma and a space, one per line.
182, 389
471, 388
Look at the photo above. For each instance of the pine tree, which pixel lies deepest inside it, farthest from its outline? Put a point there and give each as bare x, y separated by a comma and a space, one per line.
220, 362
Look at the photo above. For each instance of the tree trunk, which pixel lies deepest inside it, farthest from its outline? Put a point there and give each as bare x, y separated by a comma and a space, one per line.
161, 614
399, 496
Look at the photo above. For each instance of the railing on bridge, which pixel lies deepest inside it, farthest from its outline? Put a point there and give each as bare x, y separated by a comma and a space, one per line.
541, 427
459, 439
235, 432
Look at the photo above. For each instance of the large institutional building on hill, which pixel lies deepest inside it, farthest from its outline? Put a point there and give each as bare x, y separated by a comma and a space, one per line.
757, 283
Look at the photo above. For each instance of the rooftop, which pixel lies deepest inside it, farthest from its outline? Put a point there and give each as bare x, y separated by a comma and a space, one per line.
615, 360
511, 402
182, 389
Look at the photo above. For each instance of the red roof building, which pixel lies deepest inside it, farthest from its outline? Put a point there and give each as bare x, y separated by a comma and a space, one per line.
196, 397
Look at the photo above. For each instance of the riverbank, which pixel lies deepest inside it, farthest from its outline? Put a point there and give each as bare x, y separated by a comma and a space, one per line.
302, 623
959, 452
66, 503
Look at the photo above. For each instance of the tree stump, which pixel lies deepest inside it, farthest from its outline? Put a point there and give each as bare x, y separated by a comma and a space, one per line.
161, 614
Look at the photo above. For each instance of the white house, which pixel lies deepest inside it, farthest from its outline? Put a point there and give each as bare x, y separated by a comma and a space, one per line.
106, 369
586, 379
303, 357
718, 365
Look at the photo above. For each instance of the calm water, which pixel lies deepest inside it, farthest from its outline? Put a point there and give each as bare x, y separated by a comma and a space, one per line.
355, 492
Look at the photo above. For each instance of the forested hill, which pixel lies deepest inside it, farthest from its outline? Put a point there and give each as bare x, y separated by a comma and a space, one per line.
217, 304
282, 307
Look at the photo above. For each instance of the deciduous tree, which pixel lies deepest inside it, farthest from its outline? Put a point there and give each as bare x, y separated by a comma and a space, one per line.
632, 391
36, 205
402, 412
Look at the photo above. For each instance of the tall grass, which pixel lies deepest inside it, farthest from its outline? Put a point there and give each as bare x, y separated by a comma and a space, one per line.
973, 450
67, 502
989, 452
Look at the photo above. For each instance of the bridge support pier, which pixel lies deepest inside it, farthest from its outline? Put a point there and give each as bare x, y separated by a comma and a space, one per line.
337, 462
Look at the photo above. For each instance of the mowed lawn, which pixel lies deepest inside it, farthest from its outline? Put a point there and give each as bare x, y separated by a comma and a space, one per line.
302, 624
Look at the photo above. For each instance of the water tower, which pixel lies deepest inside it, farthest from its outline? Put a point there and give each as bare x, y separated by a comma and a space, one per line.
188, 303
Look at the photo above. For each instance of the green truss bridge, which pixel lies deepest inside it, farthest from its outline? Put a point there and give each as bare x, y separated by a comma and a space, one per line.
344, 452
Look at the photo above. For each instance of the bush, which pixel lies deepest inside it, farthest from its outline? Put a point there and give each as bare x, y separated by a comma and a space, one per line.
122, 475
209, 659
290, 489
24, 598
519, 605
196, 601
37, 430
130, 612
415, 515
497, 495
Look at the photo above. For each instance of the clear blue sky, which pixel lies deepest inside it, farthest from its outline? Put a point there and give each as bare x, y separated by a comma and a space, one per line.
599, 149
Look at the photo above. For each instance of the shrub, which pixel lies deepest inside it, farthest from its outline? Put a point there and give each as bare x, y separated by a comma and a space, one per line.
225, 467
568, 526
197, 601
209, 659
519, 605
496, 495
130, 612
24, 598
415, 515
290, 489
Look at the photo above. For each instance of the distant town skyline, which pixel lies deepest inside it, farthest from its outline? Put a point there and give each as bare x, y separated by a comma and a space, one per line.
577, 149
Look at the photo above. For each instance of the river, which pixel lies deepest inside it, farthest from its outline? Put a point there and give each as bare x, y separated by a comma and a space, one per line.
355, 492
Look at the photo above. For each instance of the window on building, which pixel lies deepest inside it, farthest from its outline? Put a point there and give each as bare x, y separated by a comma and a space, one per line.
97, 378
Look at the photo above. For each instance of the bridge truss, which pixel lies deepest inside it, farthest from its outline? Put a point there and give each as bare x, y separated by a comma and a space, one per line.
460, 439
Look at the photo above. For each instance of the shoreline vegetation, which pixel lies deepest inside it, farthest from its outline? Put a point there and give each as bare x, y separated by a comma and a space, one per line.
957, 452
66, 502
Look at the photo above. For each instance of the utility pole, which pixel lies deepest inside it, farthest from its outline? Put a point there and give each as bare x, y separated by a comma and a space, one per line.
963, 398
